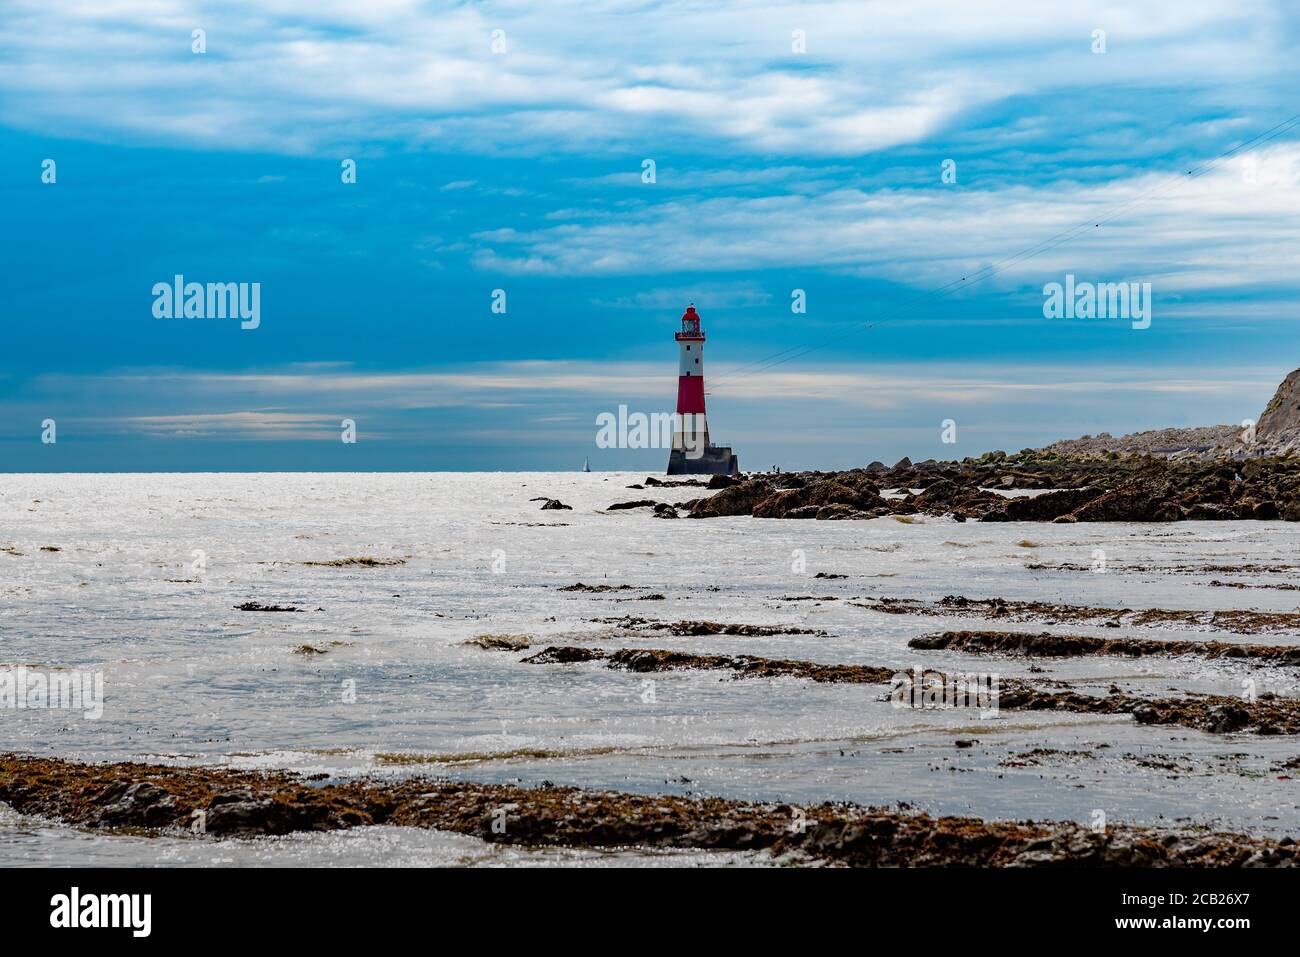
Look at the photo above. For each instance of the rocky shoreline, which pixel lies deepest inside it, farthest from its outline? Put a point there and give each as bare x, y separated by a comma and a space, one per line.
1106, 488
156, 799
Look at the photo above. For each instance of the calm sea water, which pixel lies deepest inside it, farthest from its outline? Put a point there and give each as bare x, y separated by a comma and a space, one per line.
149, 569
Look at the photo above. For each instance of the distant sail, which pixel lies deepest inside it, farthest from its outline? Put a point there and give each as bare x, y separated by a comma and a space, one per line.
586, 464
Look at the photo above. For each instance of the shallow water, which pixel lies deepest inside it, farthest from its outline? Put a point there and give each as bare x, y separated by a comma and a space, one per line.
150, 567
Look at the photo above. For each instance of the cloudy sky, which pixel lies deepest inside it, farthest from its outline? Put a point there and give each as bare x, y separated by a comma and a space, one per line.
501, 146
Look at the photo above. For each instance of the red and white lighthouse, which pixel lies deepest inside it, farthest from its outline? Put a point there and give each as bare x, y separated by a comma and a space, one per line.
692, 454
690, 384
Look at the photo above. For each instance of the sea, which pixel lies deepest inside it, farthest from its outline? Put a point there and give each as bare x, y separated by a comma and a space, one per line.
138, 578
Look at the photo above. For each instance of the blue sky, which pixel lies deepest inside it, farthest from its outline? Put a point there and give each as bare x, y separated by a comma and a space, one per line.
520, 170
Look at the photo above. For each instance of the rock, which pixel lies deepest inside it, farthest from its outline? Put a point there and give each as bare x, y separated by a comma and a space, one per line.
1265, 511
1138, 501
852, 492
242, 817
834, 492
500, 642
143, 803
640, 661
651, 481
1281, 417
724, 481
563, 655
1227, 718
597, 589
245, 815
947, 497
736, 500
1210, 513
639, 503
837, 511
555, 503
1168, 512
780, 504
1046, 507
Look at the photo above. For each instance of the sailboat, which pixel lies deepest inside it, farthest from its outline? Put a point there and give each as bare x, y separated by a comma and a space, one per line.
586, 464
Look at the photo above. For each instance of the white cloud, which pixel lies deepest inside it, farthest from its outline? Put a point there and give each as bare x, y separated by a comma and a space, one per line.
1231, 227
580, 74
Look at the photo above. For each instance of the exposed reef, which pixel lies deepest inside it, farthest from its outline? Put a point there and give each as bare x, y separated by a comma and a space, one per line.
1100, 488
159, 799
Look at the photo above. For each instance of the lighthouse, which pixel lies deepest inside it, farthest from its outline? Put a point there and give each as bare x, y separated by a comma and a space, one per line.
692, 454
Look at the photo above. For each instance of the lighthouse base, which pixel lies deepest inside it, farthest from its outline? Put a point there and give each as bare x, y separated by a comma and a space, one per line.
716, 460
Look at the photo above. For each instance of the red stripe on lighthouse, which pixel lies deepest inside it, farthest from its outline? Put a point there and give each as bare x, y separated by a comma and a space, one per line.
690, 395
